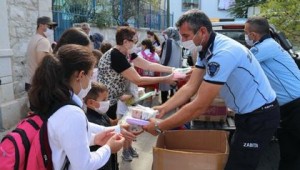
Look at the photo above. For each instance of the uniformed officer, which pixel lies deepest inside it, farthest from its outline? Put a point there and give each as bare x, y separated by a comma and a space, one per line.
284, 77
224, 67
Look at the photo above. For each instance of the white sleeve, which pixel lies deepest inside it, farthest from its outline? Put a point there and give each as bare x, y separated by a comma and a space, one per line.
94, 128
98, 128
74, 139
103, 152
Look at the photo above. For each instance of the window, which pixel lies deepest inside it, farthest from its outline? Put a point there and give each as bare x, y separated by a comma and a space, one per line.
190, 4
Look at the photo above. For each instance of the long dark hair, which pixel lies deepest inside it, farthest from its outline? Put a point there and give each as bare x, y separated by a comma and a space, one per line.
149, 45
155, 36
72, 36
51, 81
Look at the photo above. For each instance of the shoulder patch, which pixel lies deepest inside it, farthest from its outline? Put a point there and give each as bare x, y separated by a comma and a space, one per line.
254, 50
213, 68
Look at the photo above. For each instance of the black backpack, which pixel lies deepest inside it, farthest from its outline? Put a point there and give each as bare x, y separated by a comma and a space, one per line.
168, 52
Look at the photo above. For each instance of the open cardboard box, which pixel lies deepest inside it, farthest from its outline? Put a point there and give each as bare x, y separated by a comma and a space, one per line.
191, 150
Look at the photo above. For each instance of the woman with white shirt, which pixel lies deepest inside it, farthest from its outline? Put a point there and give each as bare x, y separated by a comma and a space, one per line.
60, 79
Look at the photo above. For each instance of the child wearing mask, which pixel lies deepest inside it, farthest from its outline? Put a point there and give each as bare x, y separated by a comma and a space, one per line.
59, 79
97, 104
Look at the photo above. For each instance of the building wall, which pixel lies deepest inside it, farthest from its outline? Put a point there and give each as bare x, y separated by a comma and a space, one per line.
210, 7
176, 10
18, 19
22, 16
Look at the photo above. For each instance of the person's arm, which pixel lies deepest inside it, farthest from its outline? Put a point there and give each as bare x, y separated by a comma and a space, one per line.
184, 93
73, 139
206, 94
95, 128
42, 49
147, 65
122, 66
40, 56
131, 75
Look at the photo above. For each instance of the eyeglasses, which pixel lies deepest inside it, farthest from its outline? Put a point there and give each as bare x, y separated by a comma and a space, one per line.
50, 26
130, 40
134, 40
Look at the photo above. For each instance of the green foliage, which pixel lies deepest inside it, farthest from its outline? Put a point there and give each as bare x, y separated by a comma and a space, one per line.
240, 9
284, 14
103, 14
128, 10
131, 9
77, 10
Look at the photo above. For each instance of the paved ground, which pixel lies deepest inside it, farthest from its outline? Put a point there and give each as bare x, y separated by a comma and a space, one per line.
143, 145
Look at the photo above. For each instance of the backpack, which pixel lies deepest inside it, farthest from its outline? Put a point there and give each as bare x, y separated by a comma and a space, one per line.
27, 146
150, 58
168, 52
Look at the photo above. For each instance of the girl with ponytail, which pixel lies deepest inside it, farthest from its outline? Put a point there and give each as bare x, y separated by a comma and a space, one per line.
67, 77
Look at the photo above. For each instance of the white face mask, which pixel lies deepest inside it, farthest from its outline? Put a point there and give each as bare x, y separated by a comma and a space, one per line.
248, 41
83, 92
48, 33
165, 36
103, 108
190, 45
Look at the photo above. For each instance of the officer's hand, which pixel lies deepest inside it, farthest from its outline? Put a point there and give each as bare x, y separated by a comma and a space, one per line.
150, 128
171, 80
161, 111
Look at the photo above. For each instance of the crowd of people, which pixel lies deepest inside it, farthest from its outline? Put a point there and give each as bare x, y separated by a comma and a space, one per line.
259, 84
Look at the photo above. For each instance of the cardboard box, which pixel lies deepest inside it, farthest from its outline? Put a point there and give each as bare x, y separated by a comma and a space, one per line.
191, 150
216, 112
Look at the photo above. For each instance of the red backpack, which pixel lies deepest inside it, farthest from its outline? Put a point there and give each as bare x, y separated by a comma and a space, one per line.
27, 146
150, 58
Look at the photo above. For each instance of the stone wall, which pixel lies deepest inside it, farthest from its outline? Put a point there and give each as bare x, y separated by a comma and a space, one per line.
18, 18
22, 15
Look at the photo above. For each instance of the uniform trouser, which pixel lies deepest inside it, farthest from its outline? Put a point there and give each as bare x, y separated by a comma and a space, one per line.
289, 136
253, 133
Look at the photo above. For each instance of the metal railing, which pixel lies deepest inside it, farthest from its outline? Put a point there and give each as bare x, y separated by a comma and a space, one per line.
137, 13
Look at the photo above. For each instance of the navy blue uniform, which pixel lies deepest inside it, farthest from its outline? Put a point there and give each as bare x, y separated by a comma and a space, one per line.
247, 91
284, 77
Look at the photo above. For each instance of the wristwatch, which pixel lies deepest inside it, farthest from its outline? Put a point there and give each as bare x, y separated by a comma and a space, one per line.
157, 130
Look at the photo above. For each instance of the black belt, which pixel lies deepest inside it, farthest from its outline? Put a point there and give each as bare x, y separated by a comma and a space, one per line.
266, 106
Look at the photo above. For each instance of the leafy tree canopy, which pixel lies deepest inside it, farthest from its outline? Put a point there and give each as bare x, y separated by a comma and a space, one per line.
240, 9
284, 14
